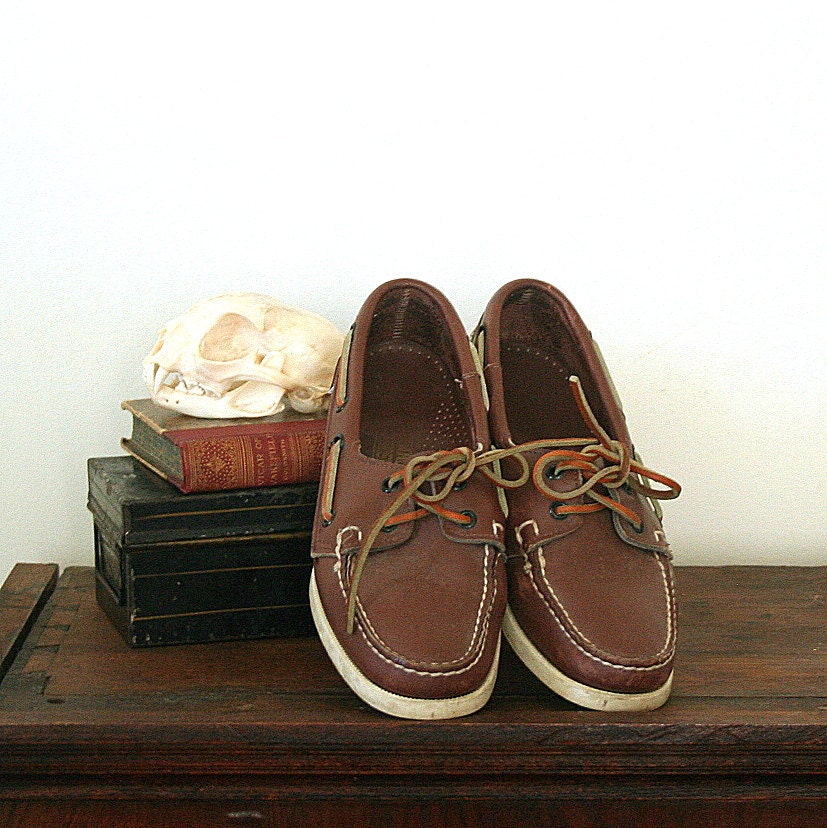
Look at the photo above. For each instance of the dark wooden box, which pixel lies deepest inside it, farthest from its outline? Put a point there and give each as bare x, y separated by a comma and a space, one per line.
197, 591
174, 568
143, 508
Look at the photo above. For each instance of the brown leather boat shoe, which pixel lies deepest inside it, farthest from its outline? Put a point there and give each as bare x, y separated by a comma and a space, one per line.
591, 606
408, 588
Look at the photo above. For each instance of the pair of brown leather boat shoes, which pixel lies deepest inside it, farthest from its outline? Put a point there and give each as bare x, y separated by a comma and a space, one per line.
470, 488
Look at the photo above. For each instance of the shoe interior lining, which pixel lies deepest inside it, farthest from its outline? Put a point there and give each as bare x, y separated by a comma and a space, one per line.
411, 403
538, 354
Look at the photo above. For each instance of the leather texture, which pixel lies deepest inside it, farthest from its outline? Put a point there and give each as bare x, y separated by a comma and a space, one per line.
432, 593
593, 592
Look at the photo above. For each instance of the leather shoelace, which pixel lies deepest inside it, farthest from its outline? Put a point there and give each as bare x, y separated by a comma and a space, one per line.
600, 460
442, 470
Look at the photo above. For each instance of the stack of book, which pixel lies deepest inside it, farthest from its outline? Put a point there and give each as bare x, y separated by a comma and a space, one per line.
202, 532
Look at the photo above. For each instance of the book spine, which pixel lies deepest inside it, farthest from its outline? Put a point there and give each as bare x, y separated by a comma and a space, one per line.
251, 461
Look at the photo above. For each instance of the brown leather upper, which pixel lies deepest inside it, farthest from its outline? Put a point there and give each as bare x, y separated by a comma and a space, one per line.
432, 591
593, 591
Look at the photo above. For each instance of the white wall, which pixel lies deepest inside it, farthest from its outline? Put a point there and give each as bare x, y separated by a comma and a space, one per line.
663, 164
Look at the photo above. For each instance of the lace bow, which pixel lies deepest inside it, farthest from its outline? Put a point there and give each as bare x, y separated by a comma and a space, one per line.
602, 462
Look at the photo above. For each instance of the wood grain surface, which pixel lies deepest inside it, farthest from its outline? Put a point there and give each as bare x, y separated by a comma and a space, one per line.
266, 733
22, 597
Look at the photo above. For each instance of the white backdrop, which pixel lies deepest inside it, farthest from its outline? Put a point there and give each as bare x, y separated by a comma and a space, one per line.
665, 165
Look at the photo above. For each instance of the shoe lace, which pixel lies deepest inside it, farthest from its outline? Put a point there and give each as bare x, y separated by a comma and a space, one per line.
441, 472
601, 461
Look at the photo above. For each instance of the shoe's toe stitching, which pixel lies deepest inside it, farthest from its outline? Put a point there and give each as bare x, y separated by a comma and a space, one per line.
475, 648
583, 643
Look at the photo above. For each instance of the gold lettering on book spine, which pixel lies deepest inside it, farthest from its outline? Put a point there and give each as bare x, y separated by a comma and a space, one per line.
252, 461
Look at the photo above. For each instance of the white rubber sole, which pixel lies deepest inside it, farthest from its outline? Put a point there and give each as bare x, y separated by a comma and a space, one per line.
572, 690
383, 700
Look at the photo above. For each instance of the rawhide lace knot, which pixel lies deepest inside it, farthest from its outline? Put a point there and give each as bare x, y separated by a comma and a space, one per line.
440, 472
604, 464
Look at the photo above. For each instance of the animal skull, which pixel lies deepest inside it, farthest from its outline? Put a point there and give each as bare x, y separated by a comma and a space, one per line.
240, 355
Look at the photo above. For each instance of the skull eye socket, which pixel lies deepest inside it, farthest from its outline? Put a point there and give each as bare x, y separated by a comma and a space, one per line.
232, 337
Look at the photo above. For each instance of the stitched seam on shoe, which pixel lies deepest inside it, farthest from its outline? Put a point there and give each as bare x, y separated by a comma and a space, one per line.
429, 674
337, 567
662, 654
579, 633
665, 651
477, 638
518, 531
364, 616
440, 673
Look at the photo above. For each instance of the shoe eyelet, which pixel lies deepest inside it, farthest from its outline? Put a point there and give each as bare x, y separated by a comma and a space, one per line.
639, 531
458, 487
328, 521
388, 529
472, 519
388, 487
552, 510
551, 473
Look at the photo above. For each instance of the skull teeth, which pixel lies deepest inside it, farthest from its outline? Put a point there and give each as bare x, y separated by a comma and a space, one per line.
172, 379
159, 379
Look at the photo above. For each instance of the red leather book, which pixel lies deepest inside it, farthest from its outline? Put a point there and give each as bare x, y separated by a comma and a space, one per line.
198, 454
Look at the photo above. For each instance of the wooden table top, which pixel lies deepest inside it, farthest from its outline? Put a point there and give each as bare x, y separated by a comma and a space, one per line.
749, 702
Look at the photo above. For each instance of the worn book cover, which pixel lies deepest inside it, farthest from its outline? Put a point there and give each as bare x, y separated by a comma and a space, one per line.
198, 454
